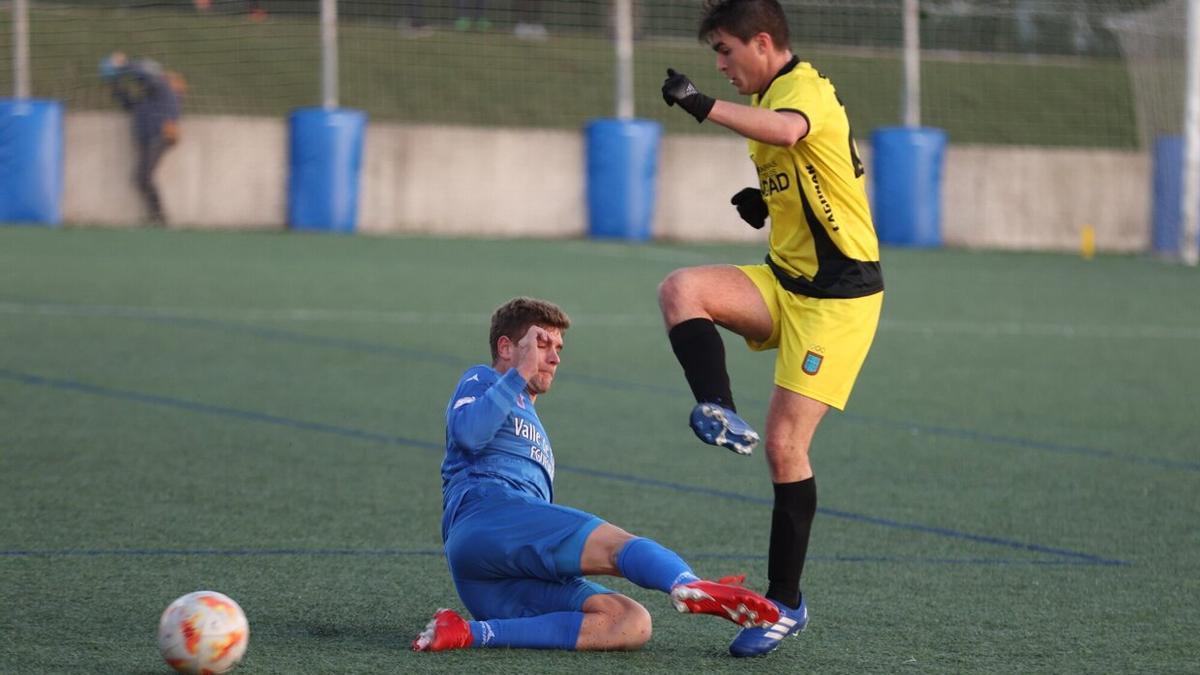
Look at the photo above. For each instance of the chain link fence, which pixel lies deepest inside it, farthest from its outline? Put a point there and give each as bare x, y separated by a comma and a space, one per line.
1020, 72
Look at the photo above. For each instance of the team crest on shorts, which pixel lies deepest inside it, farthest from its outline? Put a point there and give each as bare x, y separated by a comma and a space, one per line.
812, 363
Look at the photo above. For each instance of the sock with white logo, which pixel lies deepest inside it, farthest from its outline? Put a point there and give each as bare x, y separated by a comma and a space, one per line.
556, 630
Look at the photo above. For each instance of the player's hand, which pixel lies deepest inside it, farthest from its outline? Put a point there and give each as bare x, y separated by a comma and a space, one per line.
751, 207
679, 89
528, 356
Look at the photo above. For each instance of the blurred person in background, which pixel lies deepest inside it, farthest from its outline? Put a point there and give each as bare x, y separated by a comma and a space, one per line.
529, 24
152, 95
472, 14
412, 22
254, 9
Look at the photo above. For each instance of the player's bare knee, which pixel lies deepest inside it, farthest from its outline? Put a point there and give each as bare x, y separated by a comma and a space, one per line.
668, 289
633, 627
781, 447
785, 455
626, 623
675, 293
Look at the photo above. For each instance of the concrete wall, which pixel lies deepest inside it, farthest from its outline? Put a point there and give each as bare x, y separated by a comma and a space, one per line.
1033, 198
231, 172
466, 181
226, 172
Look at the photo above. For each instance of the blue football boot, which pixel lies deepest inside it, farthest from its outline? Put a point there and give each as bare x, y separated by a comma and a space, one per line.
760, 641
721, 426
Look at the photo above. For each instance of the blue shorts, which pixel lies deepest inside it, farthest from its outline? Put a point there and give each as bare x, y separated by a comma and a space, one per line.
512, 555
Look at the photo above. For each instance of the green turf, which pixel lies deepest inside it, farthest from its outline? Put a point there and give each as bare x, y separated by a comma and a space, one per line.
1012, 490
237, 67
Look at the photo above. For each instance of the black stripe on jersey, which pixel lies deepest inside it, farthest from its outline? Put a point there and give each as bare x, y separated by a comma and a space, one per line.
802, 114
855, 279
838, 276
782, 71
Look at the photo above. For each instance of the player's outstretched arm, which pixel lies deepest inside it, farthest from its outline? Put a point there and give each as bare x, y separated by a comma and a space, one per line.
765, 126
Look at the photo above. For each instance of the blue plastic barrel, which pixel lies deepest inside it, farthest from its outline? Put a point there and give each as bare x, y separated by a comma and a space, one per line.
622, 163
907, 173
324, 163
31, 161
1167, 209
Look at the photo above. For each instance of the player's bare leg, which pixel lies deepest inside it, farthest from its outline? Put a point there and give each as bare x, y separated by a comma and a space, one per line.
601, 550
613, 551
792, 420
694, 301
613, 622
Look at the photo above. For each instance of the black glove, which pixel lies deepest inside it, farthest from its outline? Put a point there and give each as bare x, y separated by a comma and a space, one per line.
679, 89
751, 207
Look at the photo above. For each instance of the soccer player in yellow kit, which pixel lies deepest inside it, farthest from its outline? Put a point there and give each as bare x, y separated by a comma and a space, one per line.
816, 298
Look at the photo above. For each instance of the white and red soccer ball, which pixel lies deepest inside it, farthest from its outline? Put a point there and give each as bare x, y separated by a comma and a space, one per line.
203, 633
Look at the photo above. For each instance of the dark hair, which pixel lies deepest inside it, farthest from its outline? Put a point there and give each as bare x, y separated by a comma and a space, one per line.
744, 19
513, 319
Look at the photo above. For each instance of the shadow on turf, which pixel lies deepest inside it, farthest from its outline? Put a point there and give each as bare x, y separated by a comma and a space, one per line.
376, 637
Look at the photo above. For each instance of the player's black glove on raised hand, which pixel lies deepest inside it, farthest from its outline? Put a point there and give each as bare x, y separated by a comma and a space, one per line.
679, 89
751, 207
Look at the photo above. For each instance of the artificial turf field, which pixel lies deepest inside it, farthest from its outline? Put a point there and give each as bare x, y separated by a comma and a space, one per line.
1015, 487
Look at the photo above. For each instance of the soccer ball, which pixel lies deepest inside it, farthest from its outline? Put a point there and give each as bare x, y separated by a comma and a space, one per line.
203, 632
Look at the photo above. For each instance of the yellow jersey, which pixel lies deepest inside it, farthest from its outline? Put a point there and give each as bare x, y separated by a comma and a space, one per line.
823, 242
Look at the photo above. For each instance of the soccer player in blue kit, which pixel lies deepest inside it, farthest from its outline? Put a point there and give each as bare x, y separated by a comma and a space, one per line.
518, 560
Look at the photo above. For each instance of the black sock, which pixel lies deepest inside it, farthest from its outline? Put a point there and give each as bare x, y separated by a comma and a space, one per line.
791, 523
701, 352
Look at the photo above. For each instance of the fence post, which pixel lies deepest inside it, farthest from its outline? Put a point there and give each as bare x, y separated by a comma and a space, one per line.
622, 153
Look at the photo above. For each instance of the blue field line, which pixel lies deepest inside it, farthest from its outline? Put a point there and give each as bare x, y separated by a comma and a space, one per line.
209, 409
847, 515
978, 538
222, 552
348, 432
438, 553
295, 337
917, 560
1015, 441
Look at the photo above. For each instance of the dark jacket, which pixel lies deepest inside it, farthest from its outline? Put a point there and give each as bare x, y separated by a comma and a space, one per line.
157, 105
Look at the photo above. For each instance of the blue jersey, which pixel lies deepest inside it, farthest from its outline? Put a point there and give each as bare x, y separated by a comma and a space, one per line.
493, 434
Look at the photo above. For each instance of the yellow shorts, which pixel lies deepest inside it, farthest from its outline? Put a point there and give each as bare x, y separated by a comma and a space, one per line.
822, 342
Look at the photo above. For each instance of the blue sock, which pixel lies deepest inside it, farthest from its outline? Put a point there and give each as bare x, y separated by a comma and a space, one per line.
649, 564
556, 630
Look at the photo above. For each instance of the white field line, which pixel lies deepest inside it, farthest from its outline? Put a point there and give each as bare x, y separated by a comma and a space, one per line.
314, 314
627, 251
